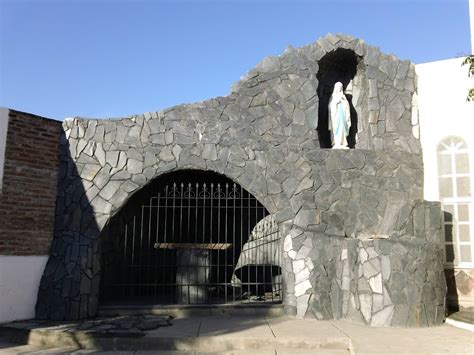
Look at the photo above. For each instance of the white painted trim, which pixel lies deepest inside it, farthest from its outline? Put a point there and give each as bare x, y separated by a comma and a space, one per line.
3, 140
20, 278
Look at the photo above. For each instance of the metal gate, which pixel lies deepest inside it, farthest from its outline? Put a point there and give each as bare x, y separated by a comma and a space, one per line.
192, 238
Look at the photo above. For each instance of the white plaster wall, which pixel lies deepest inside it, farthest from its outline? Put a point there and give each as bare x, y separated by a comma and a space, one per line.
3, 140
443, 111
19, 281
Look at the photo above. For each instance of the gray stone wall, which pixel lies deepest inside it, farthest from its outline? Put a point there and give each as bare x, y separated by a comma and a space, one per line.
264, 136
378, 280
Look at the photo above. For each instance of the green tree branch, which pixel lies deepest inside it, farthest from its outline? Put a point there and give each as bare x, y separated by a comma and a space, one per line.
470, 62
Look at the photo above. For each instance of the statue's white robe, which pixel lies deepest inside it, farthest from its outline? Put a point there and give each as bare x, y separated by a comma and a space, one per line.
339, 118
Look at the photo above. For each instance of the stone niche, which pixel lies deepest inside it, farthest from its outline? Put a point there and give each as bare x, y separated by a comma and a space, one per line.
358, 241
340, 65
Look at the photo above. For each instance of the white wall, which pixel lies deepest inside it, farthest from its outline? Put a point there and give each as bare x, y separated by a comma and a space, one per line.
3, 140
19, 282
443, 111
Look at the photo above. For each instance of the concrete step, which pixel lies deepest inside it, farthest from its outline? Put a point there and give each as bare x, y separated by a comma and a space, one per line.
8, 348
232, 335
227, 335
273, 310
222, 344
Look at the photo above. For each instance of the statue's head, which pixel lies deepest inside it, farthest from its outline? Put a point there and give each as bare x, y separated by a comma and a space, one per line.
338, 87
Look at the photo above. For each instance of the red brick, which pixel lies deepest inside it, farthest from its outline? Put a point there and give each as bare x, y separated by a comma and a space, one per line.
27, 202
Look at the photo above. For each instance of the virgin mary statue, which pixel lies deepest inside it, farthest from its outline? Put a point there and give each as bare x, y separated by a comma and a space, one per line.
339, 118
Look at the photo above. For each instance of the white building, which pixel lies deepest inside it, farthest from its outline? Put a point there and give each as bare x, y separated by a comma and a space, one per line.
447, 138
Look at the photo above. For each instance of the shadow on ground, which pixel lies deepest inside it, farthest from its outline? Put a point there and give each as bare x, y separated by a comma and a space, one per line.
134, 332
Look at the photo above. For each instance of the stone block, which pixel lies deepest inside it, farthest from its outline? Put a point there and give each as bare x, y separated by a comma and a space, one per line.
305, 218
419, 221
284, 215
306, 184
376, 284
301, 288
308, 90
399, 298
166, 154
298, 265
377, 303
369, 270
177, 152
301, 276
382, 318
303, 252
400, 315
372, 88
433, 219
90, 149
287, 243
121, 175
398, 281
395, 109
428, 294
110, 189
344, 254
302, 305
100, 205
363, 256
336, 300
273, 187
102, 177
100, 154
365, 301
209, 152
268, 64
134, 166
386, 268
90, 171
372, 255
374, 105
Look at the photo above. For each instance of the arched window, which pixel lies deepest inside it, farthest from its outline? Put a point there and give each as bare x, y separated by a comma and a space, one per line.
454, 181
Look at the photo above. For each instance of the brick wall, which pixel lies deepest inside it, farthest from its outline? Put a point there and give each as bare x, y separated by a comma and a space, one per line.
27, 201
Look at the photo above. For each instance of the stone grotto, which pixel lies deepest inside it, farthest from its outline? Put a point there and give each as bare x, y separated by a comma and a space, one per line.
356, 239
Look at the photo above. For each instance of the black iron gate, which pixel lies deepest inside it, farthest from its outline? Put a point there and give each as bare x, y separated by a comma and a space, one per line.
192, 238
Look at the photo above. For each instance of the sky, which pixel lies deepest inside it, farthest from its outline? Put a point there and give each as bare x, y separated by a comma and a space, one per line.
113, 58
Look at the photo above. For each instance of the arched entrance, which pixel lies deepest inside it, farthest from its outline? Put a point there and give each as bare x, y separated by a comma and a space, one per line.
191, 237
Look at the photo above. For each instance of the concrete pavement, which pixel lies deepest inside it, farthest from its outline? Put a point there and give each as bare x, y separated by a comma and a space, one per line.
245, 335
